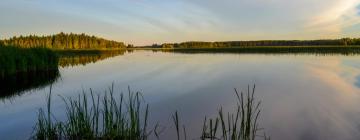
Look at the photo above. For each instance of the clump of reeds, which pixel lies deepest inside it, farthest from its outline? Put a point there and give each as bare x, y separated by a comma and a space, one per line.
46, 129
242, 124
123, 118
101, 118
14, 59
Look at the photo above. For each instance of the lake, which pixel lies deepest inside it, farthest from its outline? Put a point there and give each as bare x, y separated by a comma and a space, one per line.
304, 96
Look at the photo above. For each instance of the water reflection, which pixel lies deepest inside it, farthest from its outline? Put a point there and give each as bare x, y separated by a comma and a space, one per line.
70, 59
15, 85
303, 96
357, 83
333, 72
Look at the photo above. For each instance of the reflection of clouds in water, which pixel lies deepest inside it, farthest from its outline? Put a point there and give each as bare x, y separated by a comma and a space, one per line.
338, 101
335, 74
357, 83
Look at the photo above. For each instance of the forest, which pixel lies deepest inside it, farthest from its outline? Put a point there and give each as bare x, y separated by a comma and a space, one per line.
229, 44
64, 41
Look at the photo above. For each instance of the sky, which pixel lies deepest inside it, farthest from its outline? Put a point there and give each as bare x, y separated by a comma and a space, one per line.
145, 22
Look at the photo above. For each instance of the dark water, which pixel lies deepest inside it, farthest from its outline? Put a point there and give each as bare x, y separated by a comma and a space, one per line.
304, 97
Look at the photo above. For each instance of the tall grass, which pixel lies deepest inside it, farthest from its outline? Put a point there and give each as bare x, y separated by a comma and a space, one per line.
15, 59
125, 118
101, 118
242, 124
46, 129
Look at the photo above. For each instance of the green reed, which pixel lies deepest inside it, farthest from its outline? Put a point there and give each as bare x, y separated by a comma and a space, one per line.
101, 118
126, 118
14, 59
242, 124
45, 128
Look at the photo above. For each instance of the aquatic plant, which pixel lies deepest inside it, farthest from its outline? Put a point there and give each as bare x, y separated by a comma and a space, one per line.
242, 124
14, 59
104, 118
125, 118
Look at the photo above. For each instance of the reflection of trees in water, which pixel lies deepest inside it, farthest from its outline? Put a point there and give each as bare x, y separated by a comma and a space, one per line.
68, 59
16, 84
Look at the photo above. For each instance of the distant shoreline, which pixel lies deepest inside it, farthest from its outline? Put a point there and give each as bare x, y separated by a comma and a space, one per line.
265, 49
321, 49
69, 43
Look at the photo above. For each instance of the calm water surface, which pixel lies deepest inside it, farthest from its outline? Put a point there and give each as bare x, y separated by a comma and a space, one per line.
304, 97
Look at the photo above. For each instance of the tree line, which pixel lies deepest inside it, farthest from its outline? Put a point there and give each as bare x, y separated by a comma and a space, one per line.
64, 41
199, 44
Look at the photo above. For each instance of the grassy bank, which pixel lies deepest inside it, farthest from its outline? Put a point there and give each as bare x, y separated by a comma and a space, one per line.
18, 60
126, 118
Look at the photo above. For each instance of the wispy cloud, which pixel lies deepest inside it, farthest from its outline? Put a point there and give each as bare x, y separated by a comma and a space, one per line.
146, 22
337, 16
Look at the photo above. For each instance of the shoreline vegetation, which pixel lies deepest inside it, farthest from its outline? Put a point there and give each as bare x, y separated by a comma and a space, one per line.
19, 60
70, 43
345, 50
33, 54
258, 43
22, 69
119, 116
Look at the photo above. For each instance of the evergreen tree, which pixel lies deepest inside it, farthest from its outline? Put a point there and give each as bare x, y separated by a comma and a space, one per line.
64, 41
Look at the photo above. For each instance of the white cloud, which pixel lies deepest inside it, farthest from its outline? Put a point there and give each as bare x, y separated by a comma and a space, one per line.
284, 19
157, 21
338, 15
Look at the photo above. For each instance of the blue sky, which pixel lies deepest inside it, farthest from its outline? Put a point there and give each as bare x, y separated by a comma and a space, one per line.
143, 22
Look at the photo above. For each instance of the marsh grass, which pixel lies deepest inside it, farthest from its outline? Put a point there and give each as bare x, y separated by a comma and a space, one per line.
242, 124
101, 118
126, 118
14, 59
